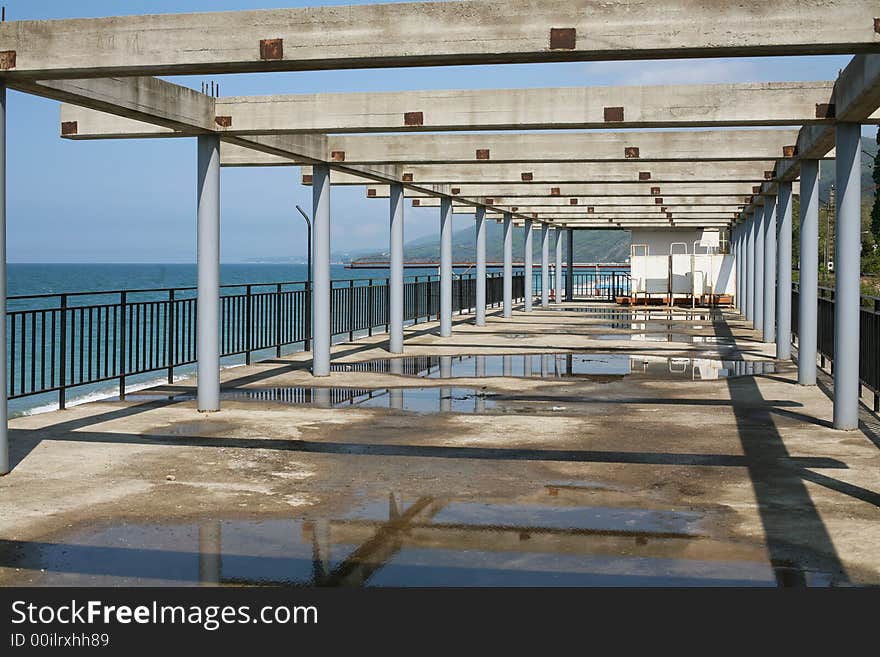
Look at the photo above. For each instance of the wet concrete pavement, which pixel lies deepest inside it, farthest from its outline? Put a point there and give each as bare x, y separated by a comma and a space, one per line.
560, 458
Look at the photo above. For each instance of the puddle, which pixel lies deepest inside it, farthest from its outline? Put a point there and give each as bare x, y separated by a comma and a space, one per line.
409, 541
659, 336
623, 314
418, 400
557, 365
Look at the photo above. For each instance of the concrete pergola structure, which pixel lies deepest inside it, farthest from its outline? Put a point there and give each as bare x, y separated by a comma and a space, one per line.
102, 66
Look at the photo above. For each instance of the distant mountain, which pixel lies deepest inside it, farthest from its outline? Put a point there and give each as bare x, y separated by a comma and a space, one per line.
589, 246
827, 171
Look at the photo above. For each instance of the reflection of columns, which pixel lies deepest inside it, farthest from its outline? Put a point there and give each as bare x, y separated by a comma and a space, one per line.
847, 276
321, 270
507, 365
321, 397
480, 272
210, 549
395, 395
445, 400
557, 282
208, 256
445, 367
508, 264
758, 313
321, 550
4, 436
769, 327
783, 273
480, 366
569, 272
545, 366
395, 273
808, 287
545, 265
527, 265
445, 267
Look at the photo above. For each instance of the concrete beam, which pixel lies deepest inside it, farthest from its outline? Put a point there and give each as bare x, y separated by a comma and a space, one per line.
621, 210
687, 146
558, 174
646, 190
697, 105
574, 202
470, 32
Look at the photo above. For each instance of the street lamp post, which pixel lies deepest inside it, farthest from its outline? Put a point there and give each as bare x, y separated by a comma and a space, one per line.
308, 341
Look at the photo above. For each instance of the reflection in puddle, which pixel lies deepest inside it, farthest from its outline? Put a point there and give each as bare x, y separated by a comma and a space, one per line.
623, 315
549, 366
418, 541
659, 336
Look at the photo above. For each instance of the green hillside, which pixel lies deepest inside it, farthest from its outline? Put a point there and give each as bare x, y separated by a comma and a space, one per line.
589, 246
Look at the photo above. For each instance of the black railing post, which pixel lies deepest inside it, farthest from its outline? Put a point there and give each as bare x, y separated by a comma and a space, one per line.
248, 328
170, 347
62, 383
278, 320
370, 308
123, 342
351, 311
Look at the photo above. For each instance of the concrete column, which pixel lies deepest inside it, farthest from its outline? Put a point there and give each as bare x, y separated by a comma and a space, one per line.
769, 327
569, 271
545, 265
738, 255
557, 235
480, 313
208, 256
808, 288
508, 265
847, 276
395, 274
760, 242
445, 267
783, 272
321, 270
527, 265
4, 431
750, 267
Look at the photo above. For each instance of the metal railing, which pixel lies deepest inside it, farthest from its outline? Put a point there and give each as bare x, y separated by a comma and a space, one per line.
60, 341
598, 285
869, 335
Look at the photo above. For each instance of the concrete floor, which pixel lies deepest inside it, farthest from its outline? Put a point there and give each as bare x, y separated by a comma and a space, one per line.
598, 479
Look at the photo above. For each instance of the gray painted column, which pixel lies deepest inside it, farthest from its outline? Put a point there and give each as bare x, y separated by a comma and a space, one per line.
480, 312
321, 270
4, 430
508, 265
847, 276
768, 329
760, 242
445, 267
527, 265
808, 288
545, 265
208, 256
557, 235
569, 272
740, 281
783, 272
750, 267
395, 273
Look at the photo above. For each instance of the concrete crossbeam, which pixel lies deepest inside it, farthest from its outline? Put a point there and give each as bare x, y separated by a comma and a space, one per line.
575, 202
646, 190
698, 105
586, 211
470, 32
537, 174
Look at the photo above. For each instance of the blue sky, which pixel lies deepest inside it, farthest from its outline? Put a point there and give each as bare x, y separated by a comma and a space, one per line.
134, 201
